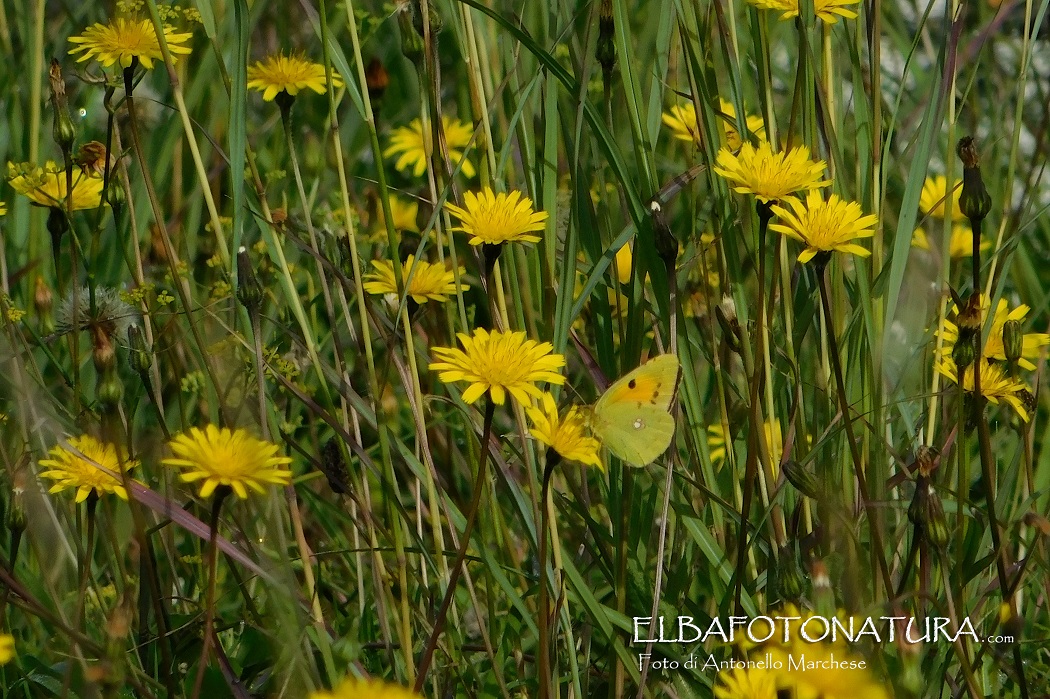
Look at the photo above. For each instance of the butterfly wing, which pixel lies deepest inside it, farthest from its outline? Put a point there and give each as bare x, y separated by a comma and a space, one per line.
632, 418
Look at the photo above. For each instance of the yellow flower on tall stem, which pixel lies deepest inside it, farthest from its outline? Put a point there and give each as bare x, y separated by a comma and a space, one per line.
498, 363
414, 147
366, 689
423, 281
565, 434
77, 466
490, 218
681, 119
224, 457
290, 74
768, 175
934, 195
47, 185
826, 10
123, 40
824, 226
996, 384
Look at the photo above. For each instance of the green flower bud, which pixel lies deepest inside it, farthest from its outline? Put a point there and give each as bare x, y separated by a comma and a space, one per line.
974, 201
109, 390
666, 243
141, 356
1013, 340
411, 40
803, 480
249, 292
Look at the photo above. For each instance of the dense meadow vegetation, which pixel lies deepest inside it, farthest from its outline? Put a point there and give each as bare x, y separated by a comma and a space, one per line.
477, 348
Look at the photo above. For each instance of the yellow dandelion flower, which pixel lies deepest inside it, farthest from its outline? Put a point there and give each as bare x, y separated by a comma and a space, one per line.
961, 244
290, 74
565, 434
825, 679
497, 363
424, 281
996, 385
935, 194
77, 466
824, 226
746, 683
404, 213
227, 457
682, 121
770, 175
826, 10
366, 689
994, 347
46, 186
415, 147
7, 648
492, 219
123, 40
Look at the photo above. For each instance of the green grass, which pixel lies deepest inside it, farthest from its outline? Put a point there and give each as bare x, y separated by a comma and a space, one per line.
113, 601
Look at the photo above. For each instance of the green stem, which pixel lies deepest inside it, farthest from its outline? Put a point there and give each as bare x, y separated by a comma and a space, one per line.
543, 614
858, 467
461, 555
209, 612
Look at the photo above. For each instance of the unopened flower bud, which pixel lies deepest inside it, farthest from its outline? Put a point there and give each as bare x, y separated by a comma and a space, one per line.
433, 18
63, 130
249, 292
666, 243
725, 312
803, 479
334, 467
44, 302
141, 356
411, 40
1013, 340
974, 201
109, 390
103, 353
115, 195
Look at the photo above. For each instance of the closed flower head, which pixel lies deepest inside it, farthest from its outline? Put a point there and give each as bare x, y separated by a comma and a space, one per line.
290, 74
566, 434
824, 226
826, 10
423, 281
47, 186
413, 146
232, 458
77, 466
497, 363
125, 39
490, 218
768, 175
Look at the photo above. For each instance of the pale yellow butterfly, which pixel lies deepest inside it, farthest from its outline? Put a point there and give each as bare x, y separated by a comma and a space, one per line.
632, 418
